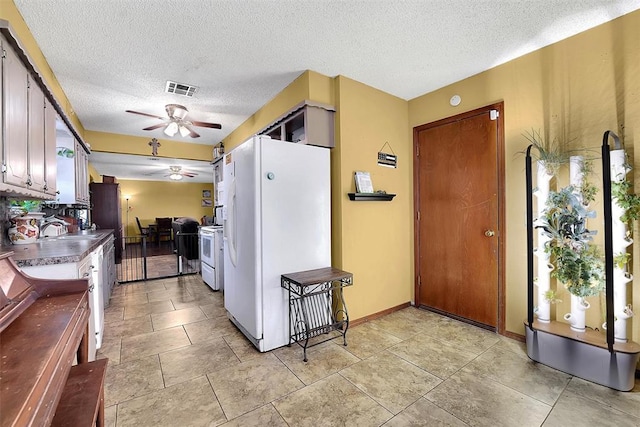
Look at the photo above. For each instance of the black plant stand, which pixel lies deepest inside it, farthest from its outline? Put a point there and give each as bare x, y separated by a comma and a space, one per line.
311, 297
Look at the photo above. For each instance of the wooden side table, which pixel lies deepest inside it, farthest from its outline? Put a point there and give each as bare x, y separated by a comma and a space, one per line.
311, 296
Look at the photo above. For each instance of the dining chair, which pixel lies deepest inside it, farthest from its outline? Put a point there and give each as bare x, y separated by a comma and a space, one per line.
144, 231
163, 228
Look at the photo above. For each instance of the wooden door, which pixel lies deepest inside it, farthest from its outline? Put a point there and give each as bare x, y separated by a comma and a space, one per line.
458, 181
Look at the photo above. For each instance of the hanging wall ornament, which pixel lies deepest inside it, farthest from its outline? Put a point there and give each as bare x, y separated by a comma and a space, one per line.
154, 144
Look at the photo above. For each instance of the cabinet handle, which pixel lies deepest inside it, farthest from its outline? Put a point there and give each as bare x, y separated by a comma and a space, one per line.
86, 274
91, 288
29, 182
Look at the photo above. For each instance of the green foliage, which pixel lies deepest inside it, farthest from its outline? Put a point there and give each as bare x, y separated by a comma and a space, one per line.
621, 192
587, 190
552, 296
578, 264
622, 259
551, 153
26, 205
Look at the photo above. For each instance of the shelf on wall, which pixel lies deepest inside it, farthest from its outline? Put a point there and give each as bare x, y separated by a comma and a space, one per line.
372, 197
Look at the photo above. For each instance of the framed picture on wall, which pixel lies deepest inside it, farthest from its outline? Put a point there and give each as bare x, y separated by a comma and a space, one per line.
206, 194
207, 203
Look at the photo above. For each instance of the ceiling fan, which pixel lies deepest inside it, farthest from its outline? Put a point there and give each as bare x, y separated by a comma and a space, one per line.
176, 121
176, 173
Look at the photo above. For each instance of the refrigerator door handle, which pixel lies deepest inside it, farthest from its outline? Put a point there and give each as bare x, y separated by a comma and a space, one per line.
230, 223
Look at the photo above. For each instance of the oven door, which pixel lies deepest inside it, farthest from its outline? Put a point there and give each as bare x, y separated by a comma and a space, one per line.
206, 249
209, 276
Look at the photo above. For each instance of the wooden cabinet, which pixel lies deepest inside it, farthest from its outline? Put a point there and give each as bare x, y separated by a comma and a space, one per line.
28, 116
307, 123
82, 174
28, 143
15, 82
51, 163
72, 175
106, 212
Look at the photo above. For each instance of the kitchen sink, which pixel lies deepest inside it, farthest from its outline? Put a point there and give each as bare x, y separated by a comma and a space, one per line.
77, 237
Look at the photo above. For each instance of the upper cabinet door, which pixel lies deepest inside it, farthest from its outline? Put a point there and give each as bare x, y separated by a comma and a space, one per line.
50, 152
15, 105
36, 138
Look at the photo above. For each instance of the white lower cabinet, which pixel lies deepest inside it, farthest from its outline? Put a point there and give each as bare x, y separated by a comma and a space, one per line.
89, 268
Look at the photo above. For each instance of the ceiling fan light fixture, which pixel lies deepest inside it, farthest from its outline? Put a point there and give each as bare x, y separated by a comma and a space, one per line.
175, 176
184, 131
171, 129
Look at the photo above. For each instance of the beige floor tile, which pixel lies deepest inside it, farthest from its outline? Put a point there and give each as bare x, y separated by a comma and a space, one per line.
190, 403
110, 416
575, 410
520, 373
128, 299
196, 360
110, 349
176, 318
391, 381
332, 401
137, 310
628, 402
398, 325
167, 295
462, 335
482, 402
130, 379
126, 328
143, 287
153, 343
435, 356
241, 346
265, 416
424, 413
322, 360
113, 313
210, 328
252, 384
365, 340
187, 301
214, 310
426, 317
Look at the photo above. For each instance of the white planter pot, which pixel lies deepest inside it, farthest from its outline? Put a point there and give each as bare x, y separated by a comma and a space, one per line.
577, 317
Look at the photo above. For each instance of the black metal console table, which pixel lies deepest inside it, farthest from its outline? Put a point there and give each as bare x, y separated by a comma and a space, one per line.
311, 297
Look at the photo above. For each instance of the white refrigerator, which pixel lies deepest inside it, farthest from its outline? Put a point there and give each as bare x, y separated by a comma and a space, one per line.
277, 220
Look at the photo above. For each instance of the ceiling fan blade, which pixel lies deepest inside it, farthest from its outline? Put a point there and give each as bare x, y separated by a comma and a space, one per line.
192, 133
155, 126
145, 114
206, 124
189, 174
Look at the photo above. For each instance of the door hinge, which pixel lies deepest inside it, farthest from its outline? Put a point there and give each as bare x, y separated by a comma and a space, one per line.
4, 167
418, 215
417, 151
494, 114
4, 54
419, 281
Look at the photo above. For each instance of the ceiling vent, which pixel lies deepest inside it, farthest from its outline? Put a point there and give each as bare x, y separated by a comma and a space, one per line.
180, 88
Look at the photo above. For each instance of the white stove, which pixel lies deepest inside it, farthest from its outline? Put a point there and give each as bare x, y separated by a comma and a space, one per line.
211, 256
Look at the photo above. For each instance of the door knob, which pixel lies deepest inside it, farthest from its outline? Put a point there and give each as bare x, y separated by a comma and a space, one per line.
489, 233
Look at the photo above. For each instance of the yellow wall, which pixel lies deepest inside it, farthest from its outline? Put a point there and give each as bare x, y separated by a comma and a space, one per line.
151, 199
116, 143
375, 238
576, 90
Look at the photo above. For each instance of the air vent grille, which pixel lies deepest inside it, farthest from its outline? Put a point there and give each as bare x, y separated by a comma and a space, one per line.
180, 88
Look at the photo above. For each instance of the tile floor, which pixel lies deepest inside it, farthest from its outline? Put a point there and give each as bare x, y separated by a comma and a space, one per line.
176, 360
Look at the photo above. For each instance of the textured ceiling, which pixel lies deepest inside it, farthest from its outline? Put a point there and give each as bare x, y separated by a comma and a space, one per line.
114, 55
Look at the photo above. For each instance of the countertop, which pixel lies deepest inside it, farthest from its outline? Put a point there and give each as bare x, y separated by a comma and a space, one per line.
57, 250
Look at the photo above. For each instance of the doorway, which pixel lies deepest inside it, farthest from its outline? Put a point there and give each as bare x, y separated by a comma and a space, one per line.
459, 218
